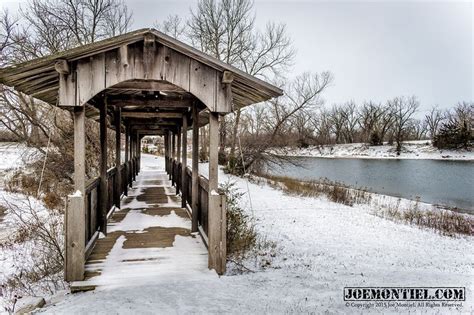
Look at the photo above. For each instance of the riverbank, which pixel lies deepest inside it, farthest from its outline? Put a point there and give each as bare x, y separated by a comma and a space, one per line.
410, 150
447, 183
322, 247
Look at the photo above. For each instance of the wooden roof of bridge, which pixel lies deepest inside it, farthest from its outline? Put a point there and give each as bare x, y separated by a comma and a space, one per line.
39, 78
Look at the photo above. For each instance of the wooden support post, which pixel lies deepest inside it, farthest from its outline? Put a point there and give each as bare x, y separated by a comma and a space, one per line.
173, 157
133, 155
118, 157
173, 146
139, 152
195, 173
178, 158
184, 162
75, 212
165, 141
103, 168
127, 149
178, 144
213, 151
216, 211
170, 165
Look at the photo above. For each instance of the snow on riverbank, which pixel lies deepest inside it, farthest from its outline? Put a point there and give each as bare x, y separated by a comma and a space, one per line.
14, 155
410, 150
323, 247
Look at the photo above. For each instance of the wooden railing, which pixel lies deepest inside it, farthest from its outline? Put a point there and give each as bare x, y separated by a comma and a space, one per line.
128, 172
174, 169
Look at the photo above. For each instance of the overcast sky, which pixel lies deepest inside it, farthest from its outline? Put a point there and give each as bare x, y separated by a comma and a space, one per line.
375, 49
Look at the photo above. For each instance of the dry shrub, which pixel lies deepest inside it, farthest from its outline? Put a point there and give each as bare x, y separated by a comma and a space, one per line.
36, 246
241, 234
52, 200
335, 192
243, 241
444, 221
56, 180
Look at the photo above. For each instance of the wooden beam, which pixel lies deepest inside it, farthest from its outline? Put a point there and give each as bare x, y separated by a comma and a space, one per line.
143, 85
146, 126
151, 115
149, 47
184, 163
143, 102
124, 56
118, 155
75, 211
61, 66
195, 170
103, 168
146, 132
227, 77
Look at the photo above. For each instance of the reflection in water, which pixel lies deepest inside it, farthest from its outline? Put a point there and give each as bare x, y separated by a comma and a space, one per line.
449, 183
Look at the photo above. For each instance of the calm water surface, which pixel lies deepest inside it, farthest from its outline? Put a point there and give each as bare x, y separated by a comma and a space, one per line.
449, 183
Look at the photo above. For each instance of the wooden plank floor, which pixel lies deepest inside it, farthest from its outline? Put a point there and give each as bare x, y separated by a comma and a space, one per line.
148, 237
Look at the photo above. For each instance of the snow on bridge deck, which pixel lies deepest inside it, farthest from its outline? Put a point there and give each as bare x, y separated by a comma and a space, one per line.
148, 240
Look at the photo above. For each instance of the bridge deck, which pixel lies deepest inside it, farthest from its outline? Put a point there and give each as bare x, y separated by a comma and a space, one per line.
149, 238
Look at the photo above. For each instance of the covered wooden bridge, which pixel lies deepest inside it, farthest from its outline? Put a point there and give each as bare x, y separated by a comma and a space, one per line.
141, 83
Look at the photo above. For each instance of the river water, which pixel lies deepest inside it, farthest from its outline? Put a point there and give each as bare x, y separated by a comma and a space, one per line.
442, 182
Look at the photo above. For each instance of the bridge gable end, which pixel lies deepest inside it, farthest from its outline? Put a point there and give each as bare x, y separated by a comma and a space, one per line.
143, 61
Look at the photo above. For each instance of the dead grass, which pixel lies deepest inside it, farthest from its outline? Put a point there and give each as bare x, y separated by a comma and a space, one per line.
444, 221
335, 192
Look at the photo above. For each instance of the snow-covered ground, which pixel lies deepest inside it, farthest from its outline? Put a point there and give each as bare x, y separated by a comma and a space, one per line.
410, 150
13, 155
322, 248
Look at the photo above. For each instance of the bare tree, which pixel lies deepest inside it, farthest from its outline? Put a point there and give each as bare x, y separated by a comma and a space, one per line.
303, 93
48, 27
222, 28
433, 119
225, 29
45, 27
369, 116
465, 113
351, 120
417, 129
384, 123
337, 122
403, 110
7, 28
301, 124
321, 122
173, 26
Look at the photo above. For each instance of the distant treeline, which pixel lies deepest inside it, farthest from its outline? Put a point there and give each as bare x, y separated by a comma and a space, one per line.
376, 123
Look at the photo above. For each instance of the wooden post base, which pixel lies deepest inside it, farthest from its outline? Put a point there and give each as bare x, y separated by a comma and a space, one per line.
217, 232
75, 242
